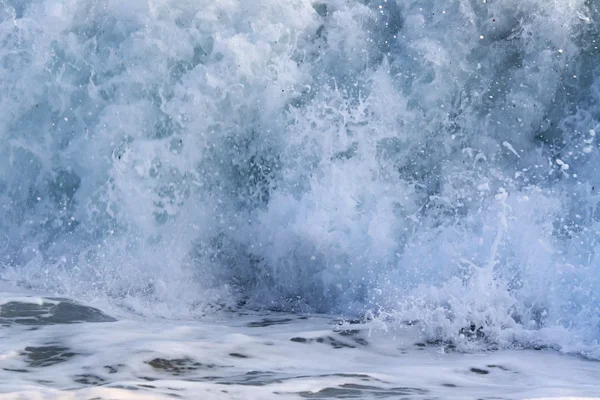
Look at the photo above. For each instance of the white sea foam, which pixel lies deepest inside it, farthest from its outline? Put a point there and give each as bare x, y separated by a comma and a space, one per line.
392, 158
245, 355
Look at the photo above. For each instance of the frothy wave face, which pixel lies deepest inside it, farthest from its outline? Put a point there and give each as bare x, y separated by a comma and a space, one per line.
435, 160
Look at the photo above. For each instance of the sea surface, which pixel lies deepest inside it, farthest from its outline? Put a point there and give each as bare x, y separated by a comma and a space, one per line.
299, 198
54, 348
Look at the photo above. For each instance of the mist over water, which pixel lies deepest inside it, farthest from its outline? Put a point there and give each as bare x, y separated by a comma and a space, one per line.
427, 160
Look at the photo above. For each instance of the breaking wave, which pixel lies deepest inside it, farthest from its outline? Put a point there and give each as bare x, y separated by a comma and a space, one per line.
419, 159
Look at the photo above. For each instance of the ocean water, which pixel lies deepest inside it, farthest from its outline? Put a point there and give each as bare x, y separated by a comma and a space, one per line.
53, 348
422, 174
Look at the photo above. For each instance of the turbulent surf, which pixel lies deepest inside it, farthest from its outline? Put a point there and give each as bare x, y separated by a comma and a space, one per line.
420, 163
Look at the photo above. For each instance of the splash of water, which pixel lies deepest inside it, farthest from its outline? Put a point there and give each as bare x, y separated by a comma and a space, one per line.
424, 159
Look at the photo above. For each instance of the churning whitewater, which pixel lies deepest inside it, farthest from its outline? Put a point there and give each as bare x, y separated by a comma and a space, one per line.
404, 160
